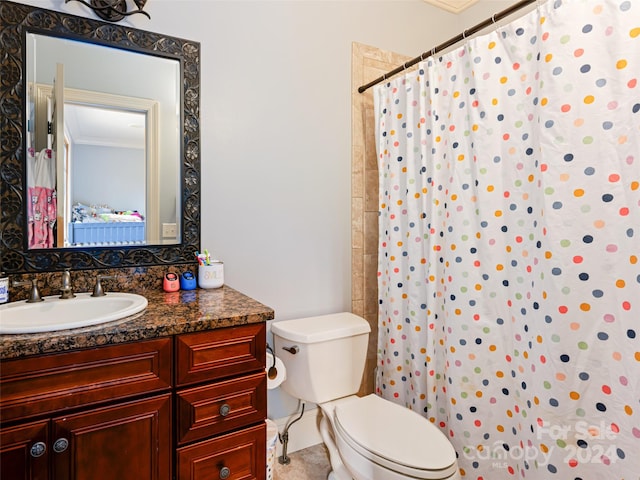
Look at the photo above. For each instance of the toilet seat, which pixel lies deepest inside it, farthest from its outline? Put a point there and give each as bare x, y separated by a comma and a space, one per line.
395, 437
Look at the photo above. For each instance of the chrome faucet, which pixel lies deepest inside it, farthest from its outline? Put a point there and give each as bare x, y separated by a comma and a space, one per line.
66, 289
34, 294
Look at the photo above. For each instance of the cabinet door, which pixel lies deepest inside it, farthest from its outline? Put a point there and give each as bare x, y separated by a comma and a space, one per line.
130, 441
23, 452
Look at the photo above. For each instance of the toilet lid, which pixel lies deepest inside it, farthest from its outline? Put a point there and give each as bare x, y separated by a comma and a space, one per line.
396, 437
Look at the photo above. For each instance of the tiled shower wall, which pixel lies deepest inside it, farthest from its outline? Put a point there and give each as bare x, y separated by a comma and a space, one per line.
367, 63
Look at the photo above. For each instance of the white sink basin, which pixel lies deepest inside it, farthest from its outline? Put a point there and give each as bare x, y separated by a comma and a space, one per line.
55, 314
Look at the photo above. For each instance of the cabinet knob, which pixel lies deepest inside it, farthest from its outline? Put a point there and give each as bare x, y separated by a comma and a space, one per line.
38, 449
225, 472
225, 409
60, 445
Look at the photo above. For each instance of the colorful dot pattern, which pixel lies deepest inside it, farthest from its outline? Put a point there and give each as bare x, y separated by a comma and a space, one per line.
509, 279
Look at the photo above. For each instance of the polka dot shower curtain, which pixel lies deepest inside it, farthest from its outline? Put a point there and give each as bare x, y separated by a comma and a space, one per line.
509, 280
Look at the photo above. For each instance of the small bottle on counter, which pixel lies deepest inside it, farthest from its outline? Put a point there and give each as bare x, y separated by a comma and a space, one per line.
4, 288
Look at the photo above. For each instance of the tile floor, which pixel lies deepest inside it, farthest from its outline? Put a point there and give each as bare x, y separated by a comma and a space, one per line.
308, 464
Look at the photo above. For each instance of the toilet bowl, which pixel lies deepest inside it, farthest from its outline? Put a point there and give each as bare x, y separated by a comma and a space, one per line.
368, 438
377, 439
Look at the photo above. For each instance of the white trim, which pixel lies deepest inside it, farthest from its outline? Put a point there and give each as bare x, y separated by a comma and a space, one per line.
133, 104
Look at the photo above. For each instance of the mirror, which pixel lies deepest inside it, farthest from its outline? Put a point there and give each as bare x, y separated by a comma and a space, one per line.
152, 82
116, 191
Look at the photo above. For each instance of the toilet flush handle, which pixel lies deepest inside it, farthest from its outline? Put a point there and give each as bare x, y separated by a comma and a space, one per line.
292, 350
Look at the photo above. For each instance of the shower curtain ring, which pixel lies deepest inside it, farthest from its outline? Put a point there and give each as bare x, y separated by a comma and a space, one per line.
495, 22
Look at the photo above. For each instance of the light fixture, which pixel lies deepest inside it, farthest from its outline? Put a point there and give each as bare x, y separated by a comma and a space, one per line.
113, 10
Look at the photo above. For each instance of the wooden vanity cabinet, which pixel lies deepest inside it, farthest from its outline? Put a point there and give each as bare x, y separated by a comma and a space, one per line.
189, 407
103, 413
221, 404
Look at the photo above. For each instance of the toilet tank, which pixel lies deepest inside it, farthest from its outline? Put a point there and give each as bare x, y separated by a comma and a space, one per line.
324, 356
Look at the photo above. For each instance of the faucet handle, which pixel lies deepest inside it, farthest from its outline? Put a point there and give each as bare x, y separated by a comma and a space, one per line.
98, 291
34, 294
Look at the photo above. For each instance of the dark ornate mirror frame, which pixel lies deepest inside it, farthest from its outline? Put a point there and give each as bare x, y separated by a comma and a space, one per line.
15, 20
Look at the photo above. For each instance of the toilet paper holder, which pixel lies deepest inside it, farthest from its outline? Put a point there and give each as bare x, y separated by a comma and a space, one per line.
273, 371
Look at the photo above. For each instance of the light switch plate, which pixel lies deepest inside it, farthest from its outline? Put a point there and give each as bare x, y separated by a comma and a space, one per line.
169, 230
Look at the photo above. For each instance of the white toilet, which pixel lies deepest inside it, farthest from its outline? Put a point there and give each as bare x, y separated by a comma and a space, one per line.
368, 438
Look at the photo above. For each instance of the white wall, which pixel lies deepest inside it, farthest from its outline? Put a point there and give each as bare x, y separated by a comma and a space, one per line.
108, 176
276, 133
276, 120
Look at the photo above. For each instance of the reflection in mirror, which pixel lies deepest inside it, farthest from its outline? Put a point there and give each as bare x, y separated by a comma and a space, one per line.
105, 159
105, 188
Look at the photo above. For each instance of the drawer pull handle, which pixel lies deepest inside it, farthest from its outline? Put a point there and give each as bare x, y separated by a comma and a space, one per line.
60, 445
225, 472
38, 449
292, 350
225, 410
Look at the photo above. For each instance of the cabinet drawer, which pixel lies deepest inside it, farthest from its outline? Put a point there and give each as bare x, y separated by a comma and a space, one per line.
241, 455
220, 353
51, 383
220, 407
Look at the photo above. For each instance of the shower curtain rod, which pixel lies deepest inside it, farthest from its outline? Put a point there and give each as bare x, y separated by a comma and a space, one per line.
452, 41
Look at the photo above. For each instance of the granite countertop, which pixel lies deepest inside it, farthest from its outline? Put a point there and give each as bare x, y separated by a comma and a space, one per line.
167, 314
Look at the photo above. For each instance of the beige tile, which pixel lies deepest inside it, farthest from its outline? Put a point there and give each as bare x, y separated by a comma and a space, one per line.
371, 233
309, 464
357, 222
357, 128
357, 307
357, 277
367, 63
370, 296
357, 172
371, 191
370, 154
